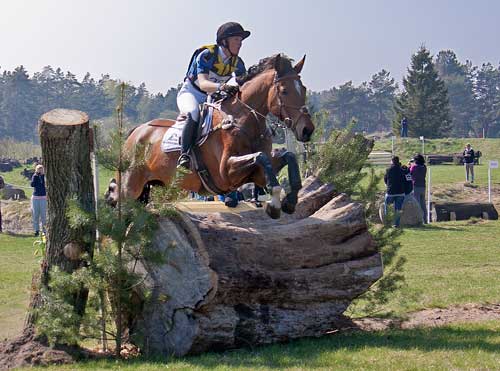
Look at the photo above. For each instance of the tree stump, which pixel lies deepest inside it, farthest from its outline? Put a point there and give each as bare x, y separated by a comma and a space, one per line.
66, 144
66, 147
243, 279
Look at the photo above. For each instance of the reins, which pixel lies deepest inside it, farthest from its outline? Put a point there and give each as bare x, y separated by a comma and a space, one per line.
270, 124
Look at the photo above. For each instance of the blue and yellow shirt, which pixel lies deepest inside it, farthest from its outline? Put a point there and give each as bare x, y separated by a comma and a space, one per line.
212, 61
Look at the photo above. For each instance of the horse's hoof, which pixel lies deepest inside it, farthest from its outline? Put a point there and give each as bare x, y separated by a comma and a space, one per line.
230, 202
289, 203
258, 204
287, 207
273, 212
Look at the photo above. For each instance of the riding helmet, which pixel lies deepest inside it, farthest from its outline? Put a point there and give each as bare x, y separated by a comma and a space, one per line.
231, 29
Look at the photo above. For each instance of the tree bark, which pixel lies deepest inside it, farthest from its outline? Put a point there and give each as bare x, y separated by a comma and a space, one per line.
242, 279
65, 138
66, 143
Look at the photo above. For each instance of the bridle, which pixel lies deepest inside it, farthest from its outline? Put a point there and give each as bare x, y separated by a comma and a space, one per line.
270, 125
302, 109
289, 123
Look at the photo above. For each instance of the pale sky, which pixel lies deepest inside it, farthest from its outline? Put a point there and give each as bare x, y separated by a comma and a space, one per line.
151, 41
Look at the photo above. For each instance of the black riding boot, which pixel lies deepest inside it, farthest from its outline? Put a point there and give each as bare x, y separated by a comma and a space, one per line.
187, 139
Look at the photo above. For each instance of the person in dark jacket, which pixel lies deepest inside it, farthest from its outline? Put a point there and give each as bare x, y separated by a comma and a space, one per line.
395, 180
39, 200
2, 184
418, 173
469, 163
408, 184
404, 128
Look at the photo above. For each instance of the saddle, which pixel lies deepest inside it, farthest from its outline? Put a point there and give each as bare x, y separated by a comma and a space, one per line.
172, 142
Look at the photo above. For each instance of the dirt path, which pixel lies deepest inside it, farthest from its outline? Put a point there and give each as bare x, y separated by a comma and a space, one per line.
434, 317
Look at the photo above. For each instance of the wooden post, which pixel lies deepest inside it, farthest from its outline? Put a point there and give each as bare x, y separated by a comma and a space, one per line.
65, 139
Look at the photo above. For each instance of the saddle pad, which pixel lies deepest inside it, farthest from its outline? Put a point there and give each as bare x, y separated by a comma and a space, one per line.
171, 141
172, 138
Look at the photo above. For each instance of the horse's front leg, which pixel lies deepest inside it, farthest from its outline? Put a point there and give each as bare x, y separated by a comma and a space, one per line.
280, 159
240, 168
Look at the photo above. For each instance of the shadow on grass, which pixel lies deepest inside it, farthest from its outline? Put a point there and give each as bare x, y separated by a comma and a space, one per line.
437, 226
313, 352
18, 234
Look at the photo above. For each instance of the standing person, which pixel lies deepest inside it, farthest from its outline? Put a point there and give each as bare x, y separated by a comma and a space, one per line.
404, 128
469, 163
39, 200
408, 184
418, 173
395, 180
211, 67
2, 184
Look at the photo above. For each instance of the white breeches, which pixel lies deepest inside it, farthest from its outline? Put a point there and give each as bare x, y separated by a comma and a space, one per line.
189, 100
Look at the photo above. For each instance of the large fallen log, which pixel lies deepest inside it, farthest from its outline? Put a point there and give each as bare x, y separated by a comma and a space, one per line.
242, 279
446, 211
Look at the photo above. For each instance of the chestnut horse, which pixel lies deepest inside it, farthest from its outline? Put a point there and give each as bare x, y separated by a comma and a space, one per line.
238, 149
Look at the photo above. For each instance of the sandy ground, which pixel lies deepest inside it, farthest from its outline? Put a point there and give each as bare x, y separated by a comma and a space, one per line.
16, 217
434, 317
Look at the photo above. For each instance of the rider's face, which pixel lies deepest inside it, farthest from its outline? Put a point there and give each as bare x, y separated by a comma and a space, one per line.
234, 44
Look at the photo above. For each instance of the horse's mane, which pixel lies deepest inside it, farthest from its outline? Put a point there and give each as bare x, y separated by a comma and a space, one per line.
267, 64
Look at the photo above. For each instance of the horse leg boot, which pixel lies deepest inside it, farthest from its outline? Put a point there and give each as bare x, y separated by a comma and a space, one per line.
273, 208
291, 199
239, 168
187, 139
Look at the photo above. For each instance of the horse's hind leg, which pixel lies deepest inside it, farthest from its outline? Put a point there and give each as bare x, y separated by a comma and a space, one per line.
134, 182
280, 159
240, 167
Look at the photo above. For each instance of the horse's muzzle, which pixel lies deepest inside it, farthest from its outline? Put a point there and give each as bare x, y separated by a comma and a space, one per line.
306, 134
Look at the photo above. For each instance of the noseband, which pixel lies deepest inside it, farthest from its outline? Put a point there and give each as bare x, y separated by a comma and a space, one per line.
303, 111
291, 124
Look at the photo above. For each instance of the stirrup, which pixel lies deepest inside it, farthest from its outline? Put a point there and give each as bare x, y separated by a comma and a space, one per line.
184, 161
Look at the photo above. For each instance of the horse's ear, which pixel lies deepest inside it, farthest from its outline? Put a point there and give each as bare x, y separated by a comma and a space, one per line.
299, 65
277, 64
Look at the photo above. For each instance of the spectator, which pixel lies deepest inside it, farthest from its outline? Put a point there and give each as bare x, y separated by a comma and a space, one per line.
469, 163
39, 200
404, 128
395, 181
2, 184
408, 184
418, 173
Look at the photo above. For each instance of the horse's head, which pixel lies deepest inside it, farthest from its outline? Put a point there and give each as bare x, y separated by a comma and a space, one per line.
111, 195
287, 98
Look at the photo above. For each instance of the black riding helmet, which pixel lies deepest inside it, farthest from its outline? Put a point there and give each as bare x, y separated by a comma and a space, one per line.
231, 29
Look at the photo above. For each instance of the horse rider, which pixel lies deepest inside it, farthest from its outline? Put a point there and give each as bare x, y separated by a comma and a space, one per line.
211, 66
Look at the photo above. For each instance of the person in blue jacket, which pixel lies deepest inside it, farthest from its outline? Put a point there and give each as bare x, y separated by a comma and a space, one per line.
210, 68
39, 200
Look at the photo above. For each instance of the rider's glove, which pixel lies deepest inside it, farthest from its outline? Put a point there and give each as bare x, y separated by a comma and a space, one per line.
229, 89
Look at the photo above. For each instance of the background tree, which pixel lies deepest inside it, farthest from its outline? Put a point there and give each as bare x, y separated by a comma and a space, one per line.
382, 97
18, 105
487, 89
458, 79
424, 101
23, 99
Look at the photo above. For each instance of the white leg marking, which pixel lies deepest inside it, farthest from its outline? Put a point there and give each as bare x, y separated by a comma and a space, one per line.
275, 197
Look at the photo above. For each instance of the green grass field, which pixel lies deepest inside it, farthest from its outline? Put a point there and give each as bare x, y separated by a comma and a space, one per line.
17, 263
456, 347
448, 264
407, 147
